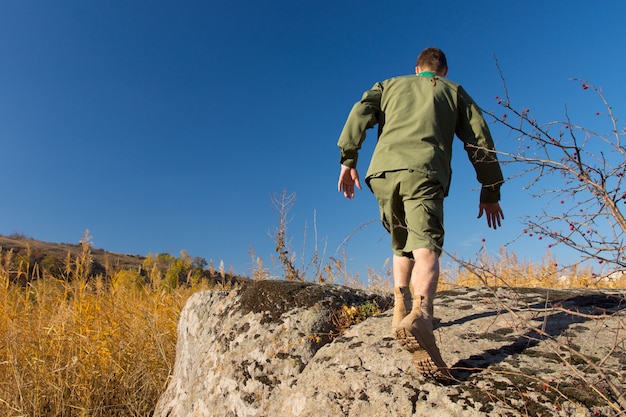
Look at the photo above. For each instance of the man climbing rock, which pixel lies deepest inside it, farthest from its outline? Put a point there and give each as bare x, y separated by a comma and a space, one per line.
409, 173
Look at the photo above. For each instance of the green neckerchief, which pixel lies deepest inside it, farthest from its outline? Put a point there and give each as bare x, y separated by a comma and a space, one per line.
426, 74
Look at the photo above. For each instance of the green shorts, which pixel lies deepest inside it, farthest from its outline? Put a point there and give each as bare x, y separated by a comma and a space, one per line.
411, 209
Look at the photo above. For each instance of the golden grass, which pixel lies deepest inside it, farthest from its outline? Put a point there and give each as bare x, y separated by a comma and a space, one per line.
507, 270
84, 348
75, 345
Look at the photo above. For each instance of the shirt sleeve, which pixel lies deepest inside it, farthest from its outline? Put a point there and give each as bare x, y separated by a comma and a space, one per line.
364, 115
473, 131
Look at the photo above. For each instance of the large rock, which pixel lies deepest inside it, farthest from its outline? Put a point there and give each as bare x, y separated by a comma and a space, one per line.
235, 349
276, 348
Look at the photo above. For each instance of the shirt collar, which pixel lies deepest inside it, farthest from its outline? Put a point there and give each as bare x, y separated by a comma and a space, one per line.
426, 74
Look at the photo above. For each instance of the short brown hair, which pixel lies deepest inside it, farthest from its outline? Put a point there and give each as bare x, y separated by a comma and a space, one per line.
433, 59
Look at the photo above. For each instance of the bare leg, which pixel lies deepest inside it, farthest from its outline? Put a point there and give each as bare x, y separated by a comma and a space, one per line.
425, 276
415, 331
402, 271
403, 298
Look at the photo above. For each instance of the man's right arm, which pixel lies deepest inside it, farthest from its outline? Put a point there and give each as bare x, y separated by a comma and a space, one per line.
473, 131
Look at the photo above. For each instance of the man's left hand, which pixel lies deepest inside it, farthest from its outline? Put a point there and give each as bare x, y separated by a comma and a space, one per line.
348, 178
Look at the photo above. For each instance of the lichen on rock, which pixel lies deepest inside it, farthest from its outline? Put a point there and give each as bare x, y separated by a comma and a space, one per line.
280, 348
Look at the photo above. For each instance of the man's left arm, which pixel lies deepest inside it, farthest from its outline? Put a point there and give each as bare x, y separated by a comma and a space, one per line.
364, 115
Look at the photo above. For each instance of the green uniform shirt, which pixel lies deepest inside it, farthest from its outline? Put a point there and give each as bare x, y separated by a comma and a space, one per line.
417, 119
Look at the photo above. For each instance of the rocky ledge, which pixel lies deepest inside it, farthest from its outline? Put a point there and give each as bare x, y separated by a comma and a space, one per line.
279, 348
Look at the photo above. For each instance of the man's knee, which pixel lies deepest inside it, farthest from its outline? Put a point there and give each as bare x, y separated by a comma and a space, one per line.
426, 255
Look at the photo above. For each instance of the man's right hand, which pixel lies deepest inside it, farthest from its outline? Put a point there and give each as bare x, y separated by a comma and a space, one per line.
348, 178
493, 213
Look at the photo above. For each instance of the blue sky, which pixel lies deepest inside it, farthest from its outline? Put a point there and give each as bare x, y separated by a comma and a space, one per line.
164, 126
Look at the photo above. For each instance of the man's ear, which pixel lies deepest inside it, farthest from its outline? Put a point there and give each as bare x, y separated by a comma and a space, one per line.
445, 72
417, 69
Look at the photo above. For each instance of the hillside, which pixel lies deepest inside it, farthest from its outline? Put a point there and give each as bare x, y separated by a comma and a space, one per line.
43, 253
20, 254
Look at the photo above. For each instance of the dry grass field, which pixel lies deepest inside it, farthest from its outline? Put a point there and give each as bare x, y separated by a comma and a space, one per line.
78, 343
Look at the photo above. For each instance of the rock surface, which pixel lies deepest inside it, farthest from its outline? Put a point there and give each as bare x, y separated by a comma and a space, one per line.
277, 348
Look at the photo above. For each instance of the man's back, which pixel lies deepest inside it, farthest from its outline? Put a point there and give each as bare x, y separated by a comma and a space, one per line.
418, 116
417, 120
